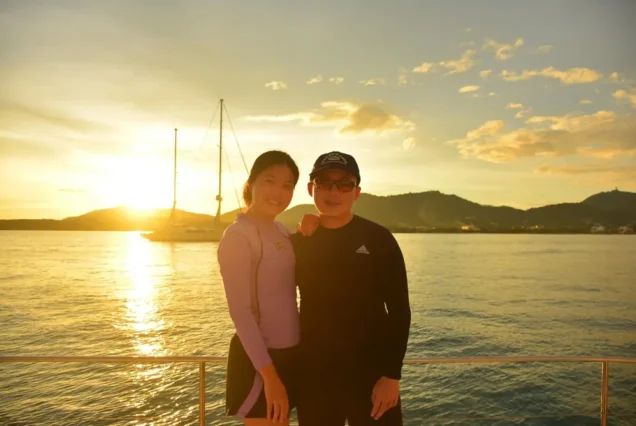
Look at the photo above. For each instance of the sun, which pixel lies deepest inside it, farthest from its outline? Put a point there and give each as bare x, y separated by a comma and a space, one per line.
140, 185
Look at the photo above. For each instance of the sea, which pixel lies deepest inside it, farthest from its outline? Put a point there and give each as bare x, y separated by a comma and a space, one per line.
477, 295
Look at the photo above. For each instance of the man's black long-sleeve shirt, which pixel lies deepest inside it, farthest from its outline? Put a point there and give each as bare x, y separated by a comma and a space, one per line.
354, 303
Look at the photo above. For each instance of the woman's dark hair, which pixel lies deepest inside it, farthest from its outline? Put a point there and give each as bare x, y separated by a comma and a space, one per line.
264, 162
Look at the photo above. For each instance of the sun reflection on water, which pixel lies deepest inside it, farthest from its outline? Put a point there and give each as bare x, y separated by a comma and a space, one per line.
142, 314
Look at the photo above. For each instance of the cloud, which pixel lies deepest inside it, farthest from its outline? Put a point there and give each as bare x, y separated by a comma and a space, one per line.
350, 117
373, 82
585, 102
569, 76
490, 127
72, 190
601, 135
276, 85
18, 116
545, 49
460, 65
468, 89
587, 169
492, 94
455, 66
523, 111
28, 131
619, 79
336, 80
315, 80
485, 73
623, 94
408, 143
424, 68
503, 51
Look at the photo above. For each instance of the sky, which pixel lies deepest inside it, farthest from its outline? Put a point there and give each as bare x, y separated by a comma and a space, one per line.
522, 103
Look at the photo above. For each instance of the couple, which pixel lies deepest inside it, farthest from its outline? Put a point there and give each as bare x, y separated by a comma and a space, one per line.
341, 357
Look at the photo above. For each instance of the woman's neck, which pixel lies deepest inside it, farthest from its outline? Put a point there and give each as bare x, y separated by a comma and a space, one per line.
252, 212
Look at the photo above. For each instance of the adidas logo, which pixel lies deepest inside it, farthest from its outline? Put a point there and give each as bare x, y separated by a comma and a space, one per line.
362, 250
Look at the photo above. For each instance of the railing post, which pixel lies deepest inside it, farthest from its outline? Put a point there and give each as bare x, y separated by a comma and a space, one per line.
202, 394
604, 392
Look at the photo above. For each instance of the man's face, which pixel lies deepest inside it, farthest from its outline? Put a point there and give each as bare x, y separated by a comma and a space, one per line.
334, 191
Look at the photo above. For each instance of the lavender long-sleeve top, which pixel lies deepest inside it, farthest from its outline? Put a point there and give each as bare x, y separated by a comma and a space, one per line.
238, 254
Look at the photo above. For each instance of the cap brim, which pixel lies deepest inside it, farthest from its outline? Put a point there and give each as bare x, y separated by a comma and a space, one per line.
331, 166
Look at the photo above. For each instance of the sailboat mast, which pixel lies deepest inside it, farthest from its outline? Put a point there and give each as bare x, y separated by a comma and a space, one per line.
174, 177
219, 198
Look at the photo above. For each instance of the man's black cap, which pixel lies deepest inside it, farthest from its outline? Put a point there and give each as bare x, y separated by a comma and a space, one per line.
336, 160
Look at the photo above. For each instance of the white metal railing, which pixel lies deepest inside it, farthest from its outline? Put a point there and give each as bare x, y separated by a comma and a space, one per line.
202, 360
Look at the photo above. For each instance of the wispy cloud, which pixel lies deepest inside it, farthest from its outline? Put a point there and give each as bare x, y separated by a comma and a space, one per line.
625, 95
523, 111
21, 116
276, 85
490, 127
315, 80
336, 80
408, 144
373, 82
456, 66
424, 68
602, 135
585, 102
72, 190
350, 117
569, 76
545, 49
514, 106
619, 78
503, 51
485, 73
588, 169
468, 89
460, 65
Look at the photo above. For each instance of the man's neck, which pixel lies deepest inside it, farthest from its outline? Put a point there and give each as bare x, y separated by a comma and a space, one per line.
334, 222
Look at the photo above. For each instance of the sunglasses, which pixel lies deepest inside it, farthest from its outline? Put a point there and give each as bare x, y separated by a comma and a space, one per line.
341, 185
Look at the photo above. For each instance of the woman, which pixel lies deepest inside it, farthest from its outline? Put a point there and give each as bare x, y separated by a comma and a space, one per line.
257, 265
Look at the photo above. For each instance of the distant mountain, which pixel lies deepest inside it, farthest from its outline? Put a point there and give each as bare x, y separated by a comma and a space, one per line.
613, 200
424, 211
436, 210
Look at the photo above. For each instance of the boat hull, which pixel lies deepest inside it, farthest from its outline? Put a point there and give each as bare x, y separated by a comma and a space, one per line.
184, 235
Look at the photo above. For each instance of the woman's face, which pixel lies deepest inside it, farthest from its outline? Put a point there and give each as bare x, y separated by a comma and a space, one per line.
272, 191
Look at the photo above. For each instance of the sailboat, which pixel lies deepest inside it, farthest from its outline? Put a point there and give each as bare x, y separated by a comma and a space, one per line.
172, 231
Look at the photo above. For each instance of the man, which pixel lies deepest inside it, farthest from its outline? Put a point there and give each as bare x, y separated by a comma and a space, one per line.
354, 309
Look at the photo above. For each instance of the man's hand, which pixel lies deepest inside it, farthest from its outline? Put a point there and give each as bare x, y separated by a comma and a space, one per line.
386, 393
308, 224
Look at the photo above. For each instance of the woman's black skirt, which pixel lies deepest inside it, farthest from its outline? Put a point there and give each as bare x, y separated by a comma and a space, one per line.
244, 392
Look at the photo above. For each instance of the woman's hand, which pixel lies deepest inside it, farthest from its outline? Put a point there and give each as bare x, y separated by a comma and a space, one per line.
308, 224
275, 395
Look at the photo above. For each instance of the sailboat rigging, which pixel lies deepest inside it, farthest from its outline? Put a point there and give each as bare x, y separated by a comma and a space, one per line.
171, 231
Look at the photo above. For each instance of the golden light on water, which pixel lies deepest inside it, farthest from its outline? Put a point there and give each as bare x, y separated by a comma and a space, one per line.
144, 321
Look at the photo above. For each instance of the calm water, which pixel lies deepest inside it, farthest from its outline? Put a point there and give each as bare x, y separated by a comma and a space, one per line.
93, 293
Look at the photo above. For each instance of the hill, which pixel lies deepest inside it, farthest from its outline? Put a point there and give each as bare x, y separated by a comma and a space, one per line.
430, 211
